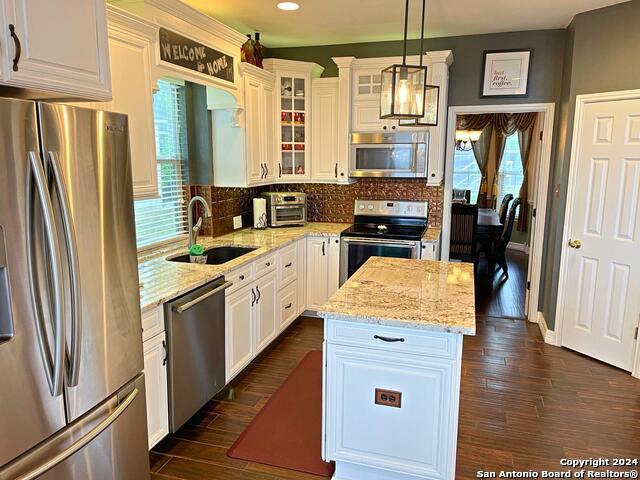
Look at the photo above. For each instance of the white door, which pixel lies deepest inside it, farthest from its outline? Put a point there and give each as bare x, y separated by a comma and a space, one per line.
266, 318
253, 113
269, 128
602, 254
155, 374
324, 134
58, 46
239, 308
317, 271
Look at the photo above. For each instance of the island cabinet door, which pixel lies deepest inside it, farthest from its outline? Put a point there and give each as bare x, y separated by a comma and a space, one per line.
392, 411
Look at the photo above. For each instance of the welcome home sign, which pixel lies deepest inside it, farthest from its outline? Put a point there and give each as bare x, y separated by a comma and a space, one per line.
187, 53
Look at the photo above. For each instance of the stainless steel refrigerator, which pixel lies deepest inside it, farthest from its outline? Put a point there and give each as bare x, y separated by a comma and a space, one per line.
72, 398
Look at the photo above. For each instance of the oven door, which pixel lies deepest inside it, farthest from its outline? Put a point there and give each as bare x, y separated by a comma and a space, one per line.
355, 251
283, 215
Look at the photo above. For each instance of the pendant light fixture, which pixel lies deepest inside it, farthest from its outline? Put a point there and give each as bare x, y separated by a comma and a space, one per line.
405, 94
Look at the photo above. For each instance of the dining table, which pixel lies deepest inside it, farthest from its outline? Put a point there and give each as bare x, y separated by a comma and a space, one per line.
489, 231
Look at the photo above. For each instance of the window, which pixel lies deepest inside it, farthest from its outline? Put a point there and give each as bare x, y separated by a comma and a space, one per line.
466, 174
163, 218
510, 175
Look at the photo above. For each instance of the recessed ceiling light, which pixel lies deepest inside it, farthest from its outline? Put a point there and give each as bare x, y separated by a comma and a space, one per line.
288, 6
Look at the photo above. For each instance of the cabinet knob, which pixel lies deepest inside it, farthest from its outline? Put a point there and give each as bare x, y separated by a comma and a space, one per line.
433, 174
241, 277
268, 264
393, 127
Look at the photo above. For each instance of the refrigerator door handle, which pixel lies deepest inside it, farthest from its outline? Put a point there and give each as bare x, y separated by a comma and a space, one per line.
74, 271
16, 470
53, 367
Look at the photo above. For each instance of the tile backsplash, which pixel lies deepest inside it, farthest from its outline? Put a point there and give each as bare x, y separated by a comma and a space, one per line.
325, 202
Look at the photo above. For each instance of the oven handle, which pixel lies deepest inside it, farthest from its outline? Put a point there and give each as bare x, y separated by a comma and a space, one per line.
400, 243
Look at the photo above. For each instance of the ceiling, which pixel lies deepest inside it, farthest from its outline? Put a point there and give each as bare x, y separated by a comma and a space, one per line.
327, 22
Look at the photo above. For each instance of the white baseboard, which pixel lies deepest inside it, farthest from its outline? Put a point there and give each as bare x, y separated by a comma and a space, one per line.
520, 247
549, 336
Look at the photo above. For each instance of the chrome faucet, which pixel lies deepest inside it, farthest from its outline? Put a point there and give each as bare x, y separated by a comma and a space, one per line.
193, 230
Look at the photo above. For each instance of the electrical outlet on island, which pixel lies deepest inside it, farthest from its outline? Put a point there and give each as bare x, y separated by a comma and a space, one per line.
237, 222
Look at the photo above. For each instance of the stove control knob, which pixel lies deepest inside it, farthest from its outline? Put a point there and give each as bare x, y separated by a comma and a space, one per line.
409, 209
370, 207
361, 207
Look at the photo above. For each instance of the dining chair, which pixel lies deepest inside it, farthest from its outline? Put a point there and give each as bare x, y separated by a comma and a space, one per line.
504, 207
505, 238
464, 230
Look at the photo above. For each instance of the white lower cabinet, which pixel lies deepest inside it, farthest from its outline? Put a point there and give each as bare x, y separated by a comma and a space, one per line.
391, 412
265, 311
155, 374
301, 283
238, 330
430, 250
323, 269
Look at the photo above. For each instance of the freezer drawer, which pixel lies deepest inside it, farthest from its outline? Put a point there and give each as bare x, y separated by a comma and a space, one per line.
108, 443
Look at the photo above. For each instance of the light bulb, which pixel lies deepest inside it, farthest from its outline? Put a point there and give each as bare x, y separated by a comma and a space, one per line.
403, 91
474, 135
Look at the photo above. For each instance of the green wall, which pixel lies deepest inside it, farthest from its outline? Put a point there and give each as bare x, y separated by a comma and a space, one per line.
465, 73
602, 56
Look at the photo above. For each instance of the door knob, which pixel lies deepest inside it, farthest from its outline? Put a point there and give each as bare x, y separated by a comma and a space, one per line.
575, 243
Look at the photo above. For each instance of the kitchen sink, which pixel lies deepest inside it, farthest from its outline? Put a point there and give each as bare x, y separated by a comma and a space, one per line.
217, 255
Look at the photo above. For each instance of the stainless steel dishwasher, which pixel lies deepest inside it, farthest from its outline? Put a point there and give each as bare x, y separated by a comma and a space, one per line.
195, 345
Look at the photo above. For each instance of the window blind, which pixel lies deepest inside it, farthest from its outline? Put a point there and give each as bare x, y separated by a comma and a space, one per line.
165, 217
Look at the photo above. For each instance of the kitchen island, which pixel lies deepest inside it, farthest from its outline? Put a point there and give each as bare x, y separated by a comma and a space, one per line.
393, 350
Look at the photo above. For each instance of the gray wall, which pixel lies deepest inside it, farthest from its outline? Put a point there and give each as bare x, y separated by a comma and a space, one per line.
601, 56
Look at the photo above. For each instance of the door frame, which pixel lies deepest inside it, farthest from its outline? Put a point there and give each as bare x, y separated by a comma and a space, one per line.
541, 189
581, 102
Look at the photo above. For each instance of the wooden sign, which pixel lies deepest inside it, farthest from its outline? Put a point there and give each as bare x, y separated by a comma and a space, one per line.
187, 53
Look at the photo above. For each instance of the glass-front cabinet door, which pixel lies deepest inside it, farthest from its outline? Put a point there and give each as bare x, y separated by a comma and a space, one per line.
294, 99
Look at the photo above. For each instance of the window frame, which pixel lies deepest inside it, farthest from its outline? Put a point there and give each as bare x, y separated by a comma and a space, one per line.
181, 236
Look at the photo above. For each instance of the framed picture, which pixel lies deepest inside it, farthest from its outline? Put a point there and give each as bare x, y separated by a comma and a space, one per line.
505, 73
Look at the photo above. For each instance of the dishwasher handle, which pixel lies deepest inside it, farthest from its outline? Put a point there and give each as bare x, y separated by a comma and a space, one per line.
186, 306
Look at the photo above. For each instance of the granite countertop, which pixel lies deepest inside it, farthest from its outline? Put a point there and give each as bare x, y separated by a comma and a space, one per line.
162, 280
432, 234
420, 294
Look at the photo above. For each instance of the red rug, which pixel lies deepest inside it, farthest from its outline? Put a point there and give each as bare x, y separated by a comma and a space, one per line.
287, 432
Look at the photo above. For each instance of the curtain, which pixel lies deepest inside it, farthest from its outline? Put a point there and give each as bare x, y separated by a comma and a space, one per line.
481, 153
483, 122
505, 126
525, 137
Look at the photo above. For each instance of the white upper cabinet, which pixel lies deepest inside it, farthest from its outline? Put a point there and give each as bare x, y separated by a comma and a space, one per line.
131, 54
325, 165
292, 117
56, 47
244, 142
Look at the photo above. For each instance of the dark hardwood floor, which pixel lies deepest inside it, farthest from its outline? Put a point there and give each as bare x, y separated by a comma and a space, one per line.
524, 405
498, 296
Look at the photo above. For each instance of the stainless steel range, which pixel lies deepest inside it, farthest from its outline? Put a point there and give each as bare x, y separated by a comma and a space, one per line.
382, 228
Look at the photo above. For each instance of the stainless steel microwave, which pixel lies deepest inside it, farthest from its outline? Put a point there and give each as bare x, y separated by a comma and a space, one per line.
400, 155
